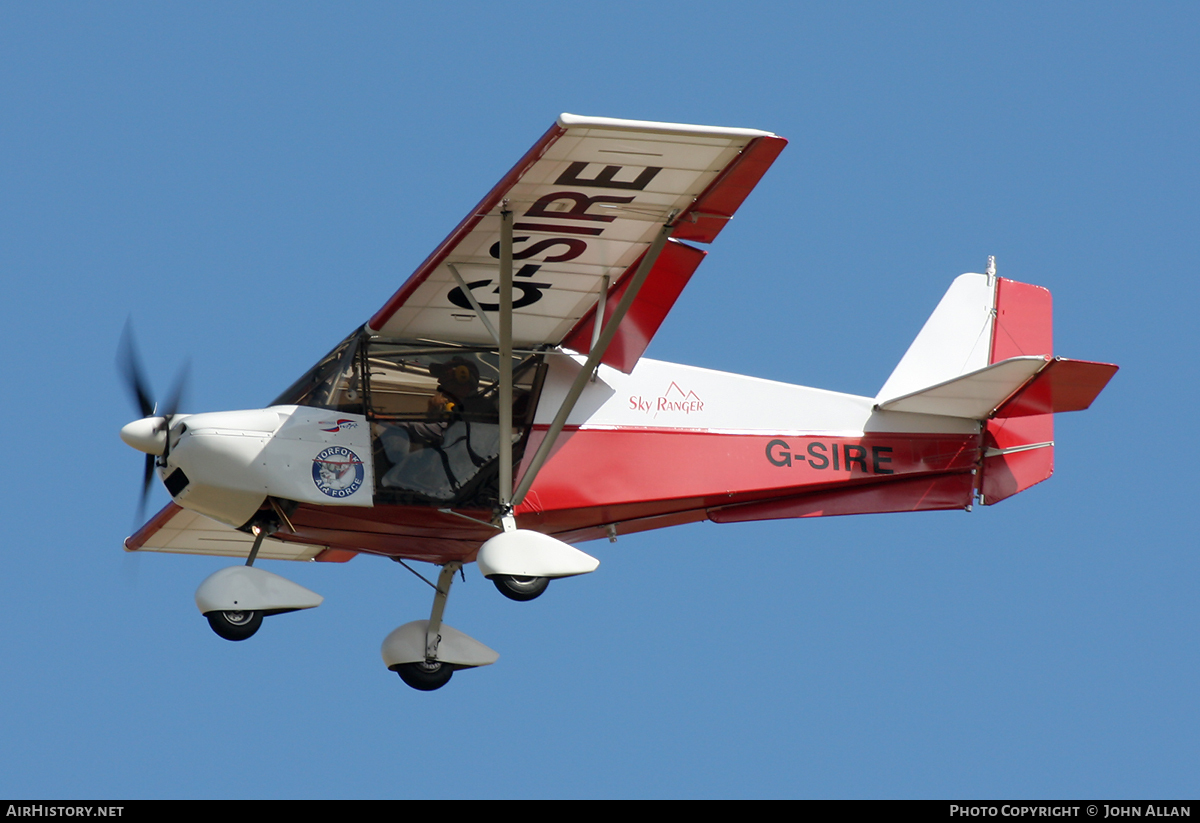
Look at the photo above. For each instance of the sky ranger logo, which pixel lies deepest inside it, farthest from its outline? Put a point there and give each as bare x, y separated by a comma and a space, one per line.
341, 424
337, 471
674, 399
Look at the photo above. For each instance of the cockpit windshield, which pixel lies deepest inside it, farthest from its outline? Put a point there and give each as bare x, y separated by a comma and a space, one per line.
334, 383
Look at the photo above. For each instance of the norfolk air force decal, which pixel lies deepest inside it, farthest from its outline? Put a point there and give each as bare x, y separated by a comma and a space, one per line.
337, 471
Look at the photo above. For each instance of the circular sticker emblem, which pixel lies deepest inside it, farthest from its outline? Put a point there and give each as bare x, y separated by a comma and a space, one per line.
337, 471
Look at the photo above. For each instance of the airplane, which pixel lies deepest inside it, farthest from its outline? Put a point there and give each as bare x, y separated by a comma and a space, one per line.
497, 409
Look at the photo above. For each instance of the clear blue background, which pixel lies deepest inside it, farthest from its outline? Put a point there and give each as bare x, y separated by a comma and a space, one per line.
252, 181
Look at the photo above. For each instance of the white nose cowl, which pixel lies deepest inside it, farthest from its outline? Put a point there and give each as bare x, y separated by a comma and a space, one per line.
147, 435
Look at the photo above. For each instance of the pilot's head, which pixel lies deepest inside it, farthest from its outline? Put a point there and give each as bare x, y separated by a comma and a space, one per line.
458, 376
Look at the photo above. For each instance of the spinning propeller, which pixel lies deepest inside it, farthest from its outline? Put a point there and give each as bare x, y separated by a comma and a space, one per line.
149, 434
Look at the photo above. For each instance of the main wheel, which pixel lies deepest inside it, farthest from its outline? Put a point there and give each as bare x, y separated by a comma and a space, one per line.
520, 588
236, 625
425, 675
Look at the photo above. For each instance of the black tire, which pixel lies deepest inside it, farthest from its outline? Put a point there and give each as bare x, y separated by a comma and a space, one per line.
520, 588
235, 625
425, 675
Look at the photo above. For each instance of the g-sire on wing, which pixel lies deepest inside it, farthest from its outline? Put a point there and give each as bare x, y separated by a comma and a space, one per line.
588, 200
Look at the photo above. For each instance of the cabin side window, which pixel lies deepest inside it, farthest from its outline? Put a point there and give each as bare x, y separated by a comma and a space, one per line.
434, 414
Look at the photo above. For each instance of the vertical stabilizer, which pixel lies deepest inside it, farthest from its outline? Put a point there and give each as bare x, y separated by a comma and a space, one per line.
955, 340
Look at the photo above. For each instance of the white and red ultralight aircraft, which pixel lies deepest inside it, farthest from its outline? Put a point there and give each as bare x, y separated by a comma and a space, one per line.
498, 409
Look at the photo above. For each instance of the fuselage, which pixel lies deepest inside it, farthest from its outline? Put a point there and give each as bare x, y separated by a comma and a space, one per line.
663, 445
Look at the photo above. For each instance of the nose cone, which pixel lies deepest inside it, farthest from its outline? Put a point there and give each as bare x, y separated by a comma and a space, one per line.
147, 435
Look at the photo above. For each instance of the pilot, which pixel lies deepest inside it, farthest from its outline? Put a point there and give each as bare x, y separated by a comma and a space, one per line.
415, 449
458, 388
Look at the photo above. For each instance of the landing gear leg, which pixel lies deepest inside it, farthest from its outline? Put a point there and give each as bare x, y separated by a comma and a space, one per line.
430, 674
432, 634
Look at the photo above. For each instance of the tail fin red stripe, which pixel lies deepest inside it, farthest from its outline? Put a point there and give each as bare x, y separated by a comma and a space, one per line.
1024, 326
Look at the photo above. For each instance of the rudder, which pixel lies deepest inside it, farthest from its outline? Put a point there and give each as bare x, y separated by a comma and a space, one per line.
1018, 451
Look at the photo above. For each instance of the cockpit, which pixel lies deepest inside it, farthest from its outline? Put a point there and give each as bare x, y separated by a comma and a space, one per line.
434, 413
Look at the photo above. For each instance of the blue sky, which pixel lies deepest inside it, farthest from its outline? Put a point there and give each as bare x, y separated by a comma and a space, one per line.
250, 182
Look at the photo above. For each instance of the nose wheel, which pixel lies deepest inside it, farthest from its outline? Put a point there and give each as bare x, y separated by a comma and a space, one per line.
427, 653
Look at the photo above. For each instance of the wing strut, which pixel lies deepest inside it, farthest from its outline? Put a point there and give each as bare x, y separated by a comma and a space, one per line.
598, 323
510, 501
462, 284
506, 376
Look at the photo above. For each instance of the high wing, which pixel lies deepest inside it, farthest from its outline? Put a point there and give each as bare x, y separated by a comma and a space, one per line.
588, 200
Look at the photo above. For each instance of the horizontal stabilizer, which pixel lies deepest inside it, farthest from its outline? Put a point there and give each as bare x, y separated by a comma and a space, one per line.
1063, 385
974, 395
1016, 387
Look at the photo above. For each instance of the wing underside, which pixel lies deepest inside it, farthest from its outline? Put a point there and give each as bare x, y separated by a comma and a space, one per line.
180, 531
